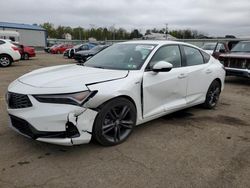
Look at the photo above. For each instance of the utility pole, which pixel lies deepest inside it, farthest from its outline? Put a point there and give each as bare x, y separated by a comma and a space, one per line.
112, 28
80, 33
166, 24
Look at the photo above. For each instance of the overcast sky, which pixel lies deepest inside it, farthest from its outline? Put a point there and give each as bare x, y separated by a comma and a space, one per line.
213, 17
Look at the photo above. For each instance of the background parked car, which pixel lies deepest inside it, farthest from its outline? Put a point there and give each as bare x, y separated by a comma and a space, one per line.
216, 48
47, 49
8, 53
26, 51
71, 52
237, 62
59, 49
82, 56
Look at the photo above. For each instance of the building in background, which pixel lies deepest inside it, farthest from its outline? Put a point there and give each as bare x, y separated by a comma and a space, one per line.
29, 35
67, 36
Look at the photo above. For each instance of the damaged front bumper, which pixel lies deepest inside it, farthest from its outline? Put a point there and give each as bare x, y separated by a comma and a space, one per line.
54, 123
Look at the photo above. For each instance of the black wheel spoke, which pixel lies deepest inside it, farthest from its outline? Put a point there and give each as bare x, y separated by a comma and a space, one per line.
126, 124
107, 128
118, 133
115, 134
113, 114
124, 112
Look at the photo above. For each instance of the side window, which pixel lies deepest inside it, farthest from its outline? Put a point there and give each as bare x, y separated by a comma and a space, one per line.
205, 56
84, 47
12, 39
169, 54
219, 47
1, 42
193, 56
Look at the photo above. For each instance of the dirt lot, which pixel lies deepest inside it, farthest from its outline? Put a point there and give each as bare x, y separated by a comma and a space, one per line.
191, 148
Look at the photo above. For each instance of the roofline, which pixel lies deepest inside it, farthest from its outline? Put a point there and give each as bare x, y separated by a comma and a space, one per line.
10, 27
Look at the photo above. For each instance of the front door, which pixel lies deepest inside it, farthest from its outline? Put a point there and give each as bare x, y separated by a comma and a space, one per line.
164, 91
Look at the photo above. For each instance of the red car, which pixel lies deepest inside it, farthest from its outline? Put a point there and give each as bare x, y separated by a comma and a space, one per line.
60, 48
26, 51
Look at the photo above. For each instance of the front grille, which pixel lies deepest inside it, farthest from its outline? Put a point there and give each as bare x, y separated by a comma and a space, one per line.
237, 63
16, 101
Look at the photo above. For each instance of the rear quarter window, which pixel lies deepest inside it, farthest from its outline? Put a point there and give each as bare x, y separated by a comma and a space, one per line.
206, 57
193, 56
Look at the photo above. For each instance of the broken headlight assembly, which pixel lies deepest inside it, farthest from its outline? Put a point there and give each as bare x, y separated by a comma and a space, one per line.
78, 98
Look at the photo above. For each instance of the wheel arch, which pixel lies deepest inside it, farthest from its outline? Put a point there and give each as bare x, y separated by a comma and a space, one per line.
119, 96
216, 79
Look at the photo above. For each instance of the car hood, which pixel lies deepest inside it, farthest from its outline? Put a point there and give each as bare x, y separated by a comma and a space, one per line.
244, 55
66, 76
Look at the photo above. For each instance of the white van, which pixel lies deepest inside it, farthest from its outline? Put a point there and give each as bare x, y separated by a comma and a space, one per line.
11, 35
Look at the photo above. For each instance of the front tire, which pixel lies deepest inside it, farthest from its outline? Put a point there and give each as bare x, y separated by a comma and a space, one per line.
5, 61
213, 95
115, 122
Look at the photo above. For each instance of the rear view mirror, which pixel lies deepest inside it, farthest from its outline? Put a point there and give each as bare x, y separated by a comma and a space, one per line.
162, 66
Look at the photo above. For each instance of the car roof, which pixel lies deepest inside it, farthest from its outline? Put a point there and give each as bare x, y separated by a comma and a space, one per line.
159, 42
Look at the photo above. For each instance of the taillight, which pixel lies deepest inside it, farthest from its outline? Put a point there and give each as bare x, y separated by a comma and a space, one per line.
15, 48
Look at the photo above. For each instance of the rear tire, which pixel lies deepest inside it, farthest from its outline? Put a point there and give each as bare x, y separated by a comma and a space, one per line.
26, 56
213, 95
5, 60
115, 122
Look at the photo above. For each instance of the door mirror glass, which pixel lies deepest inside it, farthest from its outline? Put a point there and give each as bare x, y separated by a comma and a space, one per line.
162, 66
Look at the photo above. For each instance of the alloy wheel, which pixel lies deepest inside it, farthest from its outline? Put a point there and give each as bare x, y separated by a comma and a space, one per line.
5, 61
213, 95
26, 56
118, 123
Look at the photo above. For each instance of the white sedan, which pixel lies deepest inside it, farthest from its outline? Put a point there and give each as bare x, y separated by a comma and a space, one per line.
8, 53
125, 85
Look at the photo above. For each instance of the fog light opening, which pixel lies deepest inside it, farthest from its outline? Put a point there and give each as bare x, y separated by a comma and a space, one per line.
71, 130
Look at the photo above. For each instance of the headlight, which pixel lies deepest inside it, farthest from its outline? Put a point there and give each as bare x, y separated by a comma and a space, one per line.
78, 98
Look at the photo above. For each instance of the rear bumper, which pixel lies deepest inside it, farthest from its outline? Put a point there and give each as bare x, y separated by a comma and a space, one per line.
237, 72
32, 54
16, 56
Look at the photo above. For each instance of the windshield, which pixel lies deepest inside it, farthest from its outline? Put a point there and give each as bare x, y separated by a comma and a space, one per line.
97, 48
121, 57
55, 45
209, 46
241, 47
77, 46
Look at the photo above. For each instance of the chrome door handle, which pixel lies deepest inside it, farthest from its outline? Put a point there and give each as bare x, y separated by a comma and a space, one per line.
182, 76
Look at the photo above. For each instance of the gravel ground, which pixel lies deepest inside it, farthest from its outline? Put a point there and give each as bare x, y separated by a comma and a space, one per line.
192, 148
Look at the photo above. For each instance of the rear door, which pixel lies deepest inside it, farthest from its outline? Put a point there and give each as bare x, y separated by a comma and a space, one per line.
164, 91
200, 74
